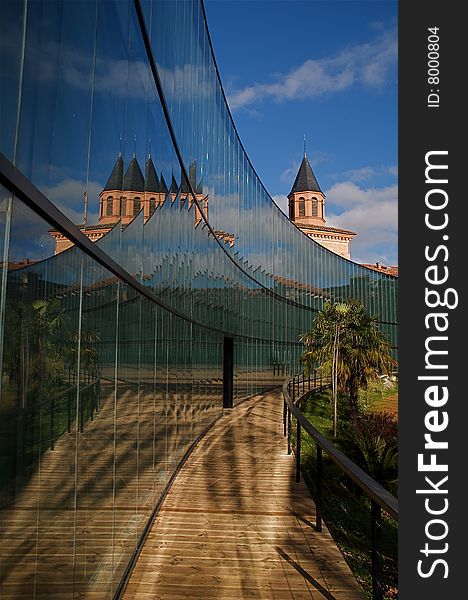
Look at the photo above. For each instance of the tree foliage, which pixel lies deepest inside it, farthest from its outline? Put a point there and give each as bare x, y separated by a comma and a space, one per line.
346, 342
371, 440
33, 355
39, 346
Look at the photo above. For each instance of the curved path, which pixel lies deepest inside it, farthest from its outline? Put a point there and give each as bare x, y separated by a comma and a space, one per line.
236, 525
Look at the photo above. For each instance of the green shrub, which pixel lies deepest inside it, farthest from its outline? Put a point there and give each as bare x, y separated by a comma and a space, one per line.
371, 441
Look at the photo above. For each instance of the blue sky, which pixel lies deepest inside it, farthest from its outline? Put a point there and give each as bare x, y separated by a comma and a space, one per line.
327, 70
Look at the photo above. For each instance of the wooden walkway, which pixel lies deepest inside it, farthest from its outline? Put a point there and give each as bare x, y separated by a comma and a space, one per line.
69, 525
235, 524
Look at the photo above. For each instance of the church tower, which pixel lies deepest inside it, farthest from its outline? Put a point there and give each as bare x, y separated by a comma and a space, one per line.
127, 192
306, 199
307, 211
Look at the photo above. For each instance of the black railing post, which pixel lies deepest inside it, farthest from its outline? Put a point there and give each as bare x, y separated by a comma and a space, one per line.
228, 372
98, 394
24, 429
68, 411
81, 414
315, 379
86, 413
52, 423
309, 380
92, 403
318, 502
289, 430
376, 526
88, 405
298, 452
285, 410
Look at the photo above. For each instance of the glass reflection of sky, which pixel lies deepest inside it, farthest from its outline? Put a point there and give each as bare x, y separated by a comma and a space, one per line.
76, 91
87, 94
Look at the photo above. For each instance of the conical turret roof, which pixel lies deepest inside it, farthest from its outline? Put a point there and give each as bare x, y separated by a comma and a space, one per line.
115, 180
133, 179
185, 188
305, 179
151, 179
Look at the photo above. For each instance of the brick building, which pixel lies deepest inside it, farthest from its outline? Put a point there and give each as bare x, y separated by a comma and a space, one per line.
307, 211
125, 195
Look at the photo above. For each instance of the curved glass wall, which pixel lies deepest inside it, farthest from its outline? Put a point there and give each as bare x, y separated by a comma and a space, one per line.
238, 202
109, 376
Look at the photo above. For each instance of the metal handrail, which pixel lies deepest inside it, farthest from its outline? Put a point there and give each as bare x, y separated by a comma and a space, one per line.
371, 487
380, 498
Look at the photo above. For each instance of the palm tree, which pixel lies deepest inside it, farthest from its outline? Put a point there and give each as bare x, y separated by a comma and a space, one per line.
323, 346
48, 318
33, 359
89, 358
366, 352
346, 341
340, 317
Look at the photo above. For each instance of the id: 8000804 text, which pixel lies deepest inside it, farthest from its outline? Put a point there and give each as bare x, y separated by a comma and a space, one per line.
433, 78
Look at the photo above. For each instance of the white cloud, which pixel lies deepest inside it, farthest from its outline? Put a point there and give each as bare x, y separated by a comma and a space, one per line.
281, 200
372, 213
118, 78
112, 76
288, 174
347, 194
370, 64
67, 195
367, 173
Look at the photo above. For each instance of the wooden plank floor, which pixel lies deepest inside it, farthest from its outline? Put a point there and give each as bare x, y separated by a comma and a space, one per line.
236, 525
69, 525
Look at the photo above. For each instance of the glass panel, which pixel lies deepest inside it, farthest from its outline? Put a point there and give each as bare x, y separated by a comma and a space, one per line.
104, 387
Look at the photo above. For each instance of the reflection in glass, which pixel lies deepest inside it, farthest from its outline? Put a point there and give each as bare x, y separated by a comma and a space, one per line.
104, 387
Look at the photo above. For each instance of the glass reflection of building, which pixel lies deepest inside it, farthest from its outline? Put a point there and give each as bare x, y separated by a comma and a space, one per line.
112, 354
124, 196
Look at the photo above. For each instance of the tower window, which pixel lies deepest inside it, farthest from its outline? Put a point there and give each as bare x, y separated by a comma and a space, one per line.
123, 206
301, 207
152, 205
136, 206
110, 206
314, 207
